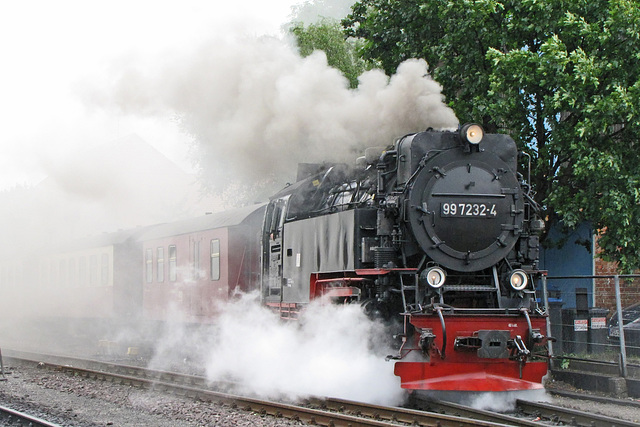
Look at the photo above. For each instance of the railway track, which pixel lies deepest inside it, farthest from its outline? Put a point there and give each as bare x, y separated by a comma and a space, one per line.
328, 412
319, 411
568, 416
11, 417
595, 398
539, 413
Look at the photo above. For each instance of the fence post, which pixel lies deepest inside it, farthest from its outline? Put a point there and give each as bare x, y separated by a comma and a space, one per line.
2, 377
623, 347
545, 299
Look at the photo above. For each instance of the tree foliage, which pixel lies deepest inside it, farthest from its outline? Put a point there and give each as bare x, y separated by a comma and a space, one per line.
327, 35
562, 77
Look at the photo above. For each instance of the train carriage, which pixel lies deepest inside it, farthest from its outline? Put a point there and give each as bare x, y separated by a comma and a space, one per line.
79, 291
190, 266
91, 278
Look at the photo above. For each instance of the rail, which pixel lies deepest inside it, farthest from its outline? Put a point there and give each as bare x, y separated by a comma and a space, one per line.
570, 416
13, 417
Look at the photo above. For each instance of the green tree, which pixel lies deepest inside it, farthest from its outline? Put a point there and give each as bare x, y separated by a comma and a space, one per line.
562, 77
327, 35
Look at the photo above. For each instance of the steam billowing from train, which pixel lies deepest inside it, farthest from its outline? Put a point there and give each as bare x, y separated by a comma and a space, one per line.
256, 108
333, 350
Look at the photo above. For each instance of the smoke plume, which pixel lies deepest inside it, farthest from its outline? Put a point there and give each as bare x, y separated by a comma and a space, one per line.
256, 108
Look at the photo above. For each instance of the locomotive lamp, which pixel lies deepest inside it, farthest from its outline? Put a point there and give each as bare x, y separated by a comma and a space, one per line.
472, 133
434, 276
518, 280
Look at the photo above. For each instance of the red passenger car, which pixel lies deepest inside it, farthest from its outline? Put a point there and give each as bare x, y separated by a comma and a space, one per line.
190, 266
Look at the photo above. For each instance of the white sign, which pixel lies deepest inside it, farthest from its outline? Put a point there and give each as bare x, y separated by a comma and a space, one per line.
580, 325
598, 323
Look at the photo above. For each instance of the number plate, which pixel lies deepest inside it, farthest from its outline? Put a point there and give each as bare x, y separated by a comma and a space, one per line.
468, 210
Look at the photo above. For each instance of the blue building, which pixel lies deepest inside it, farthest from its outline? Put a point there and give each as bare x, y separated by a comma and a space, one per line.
573, 258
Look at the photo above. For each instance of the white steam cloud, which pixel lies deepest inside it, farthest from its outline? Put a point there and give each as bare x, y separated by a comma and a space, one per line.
335, 350
505, 401
256, 108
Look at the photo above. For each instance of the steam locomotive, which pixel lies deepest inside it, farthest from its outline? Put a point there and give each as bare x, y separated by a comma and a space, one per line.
437, 235
438, 232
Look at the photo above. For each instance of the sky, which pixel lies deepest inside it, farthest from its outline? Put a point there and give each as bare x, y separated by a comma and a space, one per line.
53, 51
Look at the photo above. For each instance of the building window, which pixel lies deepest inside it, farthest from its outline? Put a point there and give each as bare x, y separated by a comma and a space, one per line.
104, 269
149, 263
173, 263
160, 266
215, 259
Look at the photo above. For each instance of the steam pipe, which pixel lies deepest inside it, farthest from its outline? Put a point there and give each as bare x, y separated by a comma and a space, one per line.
534, 337
526, 315
382, 166
444, 332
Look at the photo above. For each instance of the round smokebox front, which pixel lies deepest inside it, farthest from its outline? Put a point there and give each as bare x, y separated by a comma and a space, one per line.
466, 210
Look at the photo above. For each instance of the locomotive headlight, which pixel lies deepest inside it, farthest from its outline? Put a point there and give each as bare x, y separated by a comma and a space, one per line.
518, 280
435, 277
472, 133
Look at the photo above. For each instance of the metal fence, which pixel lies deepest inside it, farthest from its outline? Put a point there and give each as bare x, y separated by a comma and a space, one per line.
593, 317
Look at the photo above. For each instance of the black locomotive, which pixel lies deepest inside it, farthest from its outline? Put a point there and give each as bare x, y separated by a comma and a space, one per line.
438, 230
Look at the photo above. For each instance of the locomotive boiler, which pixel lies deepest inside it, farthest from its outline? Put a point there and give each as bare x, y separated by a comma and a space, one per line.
437, 235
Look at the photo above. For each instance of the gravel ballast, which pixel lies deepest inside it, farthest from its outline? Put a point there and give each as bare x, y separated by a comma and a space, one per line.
73, 401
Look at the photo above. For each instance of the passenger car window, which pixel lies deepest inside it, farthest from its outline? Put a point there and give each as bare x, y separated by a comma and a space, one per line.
215, 259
